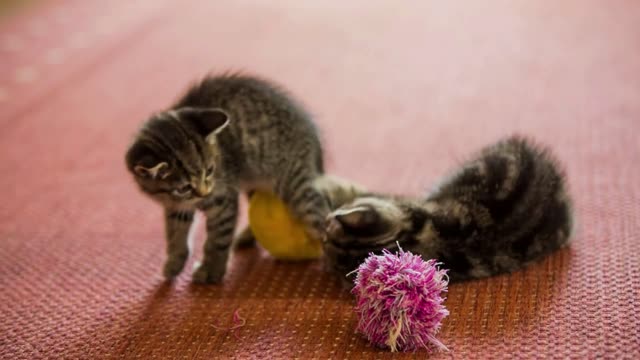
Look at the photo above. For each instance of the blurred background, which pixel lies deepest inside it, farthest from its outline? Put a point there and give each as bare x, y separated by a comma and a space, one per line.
402, 91
435, 80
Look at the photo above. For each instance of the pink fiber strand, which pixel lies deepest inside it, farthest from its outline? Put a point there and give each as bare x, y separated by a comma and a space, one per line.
238, 322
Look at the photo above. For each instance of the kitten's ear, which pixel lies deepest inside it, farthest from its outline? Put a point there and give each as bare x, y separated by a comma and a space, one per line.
206, 121
145, 163
161, 170
357, 217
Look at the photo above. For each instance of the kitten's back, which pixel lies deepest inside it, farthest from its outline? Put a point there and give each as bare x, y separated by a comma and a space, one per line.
265, 119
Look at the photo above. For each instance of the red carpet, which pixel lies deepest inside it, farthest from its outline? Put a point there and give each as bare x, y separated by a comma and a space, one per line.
402, 92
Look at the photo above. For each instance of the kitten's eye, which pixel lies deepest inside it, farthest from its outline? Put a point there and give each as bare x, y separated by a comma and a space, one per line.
183, 190
210, 170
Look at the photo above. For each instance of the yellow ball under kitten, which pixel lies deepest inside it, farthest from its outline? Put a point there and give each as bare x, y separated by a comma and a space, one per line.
277, 231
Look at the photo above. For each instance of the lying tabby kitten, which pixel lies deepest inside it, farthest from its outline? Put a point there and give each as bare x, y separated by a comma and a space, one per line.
226, 134
505, 208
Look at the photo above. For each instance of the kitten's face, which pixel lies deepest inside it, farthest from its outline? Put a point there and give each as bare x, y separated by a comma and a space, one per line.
172, 159
368, 224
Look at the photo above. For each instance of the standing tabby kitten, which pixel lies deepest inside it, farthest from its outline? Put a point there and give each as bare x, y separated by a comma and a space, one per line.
505, 208
227, 134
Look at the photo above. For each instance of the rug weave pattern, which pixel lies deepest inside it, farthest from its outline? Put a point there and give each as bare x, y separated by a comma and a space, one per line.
402, 93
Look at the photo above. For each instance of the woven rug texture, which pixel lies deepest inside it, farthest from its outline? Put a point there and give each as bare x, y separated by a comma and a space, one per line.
403, 92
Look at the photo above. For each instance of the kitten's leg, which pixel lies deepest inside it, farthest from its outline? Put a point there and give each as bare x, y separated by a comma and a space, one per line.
337, 191
245, 239
222, 213
177, 224
307, 203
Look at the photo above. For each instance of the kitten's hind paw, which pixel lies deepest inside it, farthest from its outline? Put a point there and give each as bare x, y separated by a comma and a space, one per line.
206, 274
173, 266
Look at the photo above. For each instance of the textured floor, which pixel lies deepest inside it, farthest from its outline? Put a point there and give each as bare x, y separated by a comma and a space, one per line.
402, 91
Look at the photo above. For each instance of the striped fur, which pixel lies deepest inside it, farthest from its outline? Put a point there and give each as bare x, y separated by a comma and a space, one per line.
228, 134
504, 208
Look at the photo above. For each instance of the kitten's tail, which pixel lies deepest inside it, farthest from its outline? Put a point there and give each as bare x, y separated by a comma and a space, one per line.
514, 196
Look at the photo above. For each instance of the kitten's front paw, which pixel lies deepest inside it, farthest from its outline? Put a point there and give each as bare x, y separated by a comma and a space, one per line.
208, 274
173, 266
316, 232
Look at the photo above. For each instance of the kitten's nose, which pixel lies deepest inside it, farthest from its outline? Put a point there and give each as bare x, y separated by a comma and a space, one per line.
333, 227
336, 233
203, 190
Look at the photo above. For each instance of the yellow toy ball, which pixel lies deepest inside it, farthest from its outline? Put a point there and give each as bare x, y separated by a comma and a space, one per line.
277, 231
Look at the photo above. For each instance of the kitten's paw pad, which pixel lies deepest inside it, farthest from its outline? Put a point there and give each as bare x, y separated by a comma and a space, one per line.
207, 275
173, 266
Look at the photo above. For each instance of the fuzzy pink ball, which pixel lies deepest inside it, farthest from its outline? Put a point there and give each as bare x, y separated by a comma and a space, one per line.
399, 302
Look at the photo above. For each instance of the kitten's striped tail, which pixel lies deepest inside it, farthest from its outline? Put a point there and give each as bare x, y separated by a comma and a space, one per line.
512, 207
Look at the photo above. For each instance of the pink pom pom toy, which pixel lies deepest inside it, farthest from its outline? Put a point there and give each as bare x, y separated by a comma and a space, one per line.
399, 302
